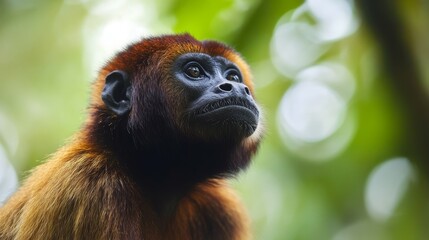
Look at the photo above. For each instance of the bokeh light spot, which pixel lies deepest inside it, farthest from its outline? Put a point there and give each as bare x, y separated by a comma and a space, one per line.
335, 18
386, 186
311, 111
331, 74
8, 178
295, 46
112, 25
8, 134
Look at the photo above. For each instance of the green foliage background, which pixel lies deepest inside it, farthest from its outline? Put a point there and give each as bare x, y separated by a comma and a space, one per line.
44, 90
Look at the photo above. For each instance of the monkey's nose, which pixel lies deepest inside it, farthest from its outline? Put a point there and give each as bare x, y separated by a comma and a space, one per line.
229, 87
225, 87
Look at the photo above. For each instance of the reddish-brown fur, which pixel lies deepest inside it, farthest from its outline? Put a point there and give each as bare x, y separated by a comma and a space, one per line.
85, 192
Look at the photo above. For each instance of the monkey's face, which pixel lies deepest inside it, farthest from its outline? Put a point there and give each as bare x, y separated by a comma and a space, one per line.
218, 104
182, 103
176, 86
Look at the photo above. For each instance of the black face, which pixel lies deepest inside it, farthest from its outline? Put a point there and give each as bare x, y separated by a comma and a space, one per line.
220, 104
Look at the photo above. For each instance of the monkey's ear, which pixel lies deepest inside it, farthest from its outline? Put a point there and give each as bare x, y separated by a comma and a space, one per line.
116, 92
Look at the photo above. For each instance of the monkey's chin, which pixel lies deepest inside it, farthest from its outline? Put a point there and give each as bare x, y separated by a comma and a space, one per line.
232, 121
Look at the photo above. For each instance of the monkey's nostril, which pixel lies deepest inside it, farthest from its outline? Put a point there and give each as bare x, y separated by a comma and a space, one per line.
227, 87
246, 89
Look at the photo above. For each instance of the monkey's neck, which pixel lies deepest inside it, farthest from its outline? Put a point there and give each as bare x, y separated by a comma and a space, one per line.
183, 161
172, 170
162, 156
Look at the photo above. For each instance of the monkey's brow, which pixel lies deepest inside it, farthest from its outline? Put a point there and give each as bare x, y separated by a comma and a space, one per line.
204, 57
225, 62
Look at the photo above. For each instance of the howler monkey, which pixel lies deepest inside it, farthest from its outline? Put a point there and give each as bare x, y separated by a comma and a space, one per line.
170, 119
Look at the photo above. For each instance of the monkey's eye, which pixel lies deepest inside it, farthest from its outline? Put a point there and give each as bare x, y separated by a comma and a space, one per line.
194, 71
233, 76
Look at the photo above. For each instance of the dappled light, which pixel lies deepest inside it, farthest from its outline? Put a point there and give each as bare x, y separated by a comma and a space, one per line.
311, 111
317, 104
8, 178
342, 85
333, 75
335, 18
294, 47
8, 134
303, 35
113, 25
386, 186
313, 121
9, 143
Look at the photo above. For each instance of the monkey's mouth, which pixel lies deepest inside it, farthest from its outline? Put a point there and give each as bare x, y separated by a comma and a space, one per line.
233, 102
230, 113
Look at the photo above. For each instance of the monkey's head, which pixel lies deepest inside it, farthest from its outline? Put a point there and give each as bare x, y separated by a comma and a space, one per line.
175, 89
